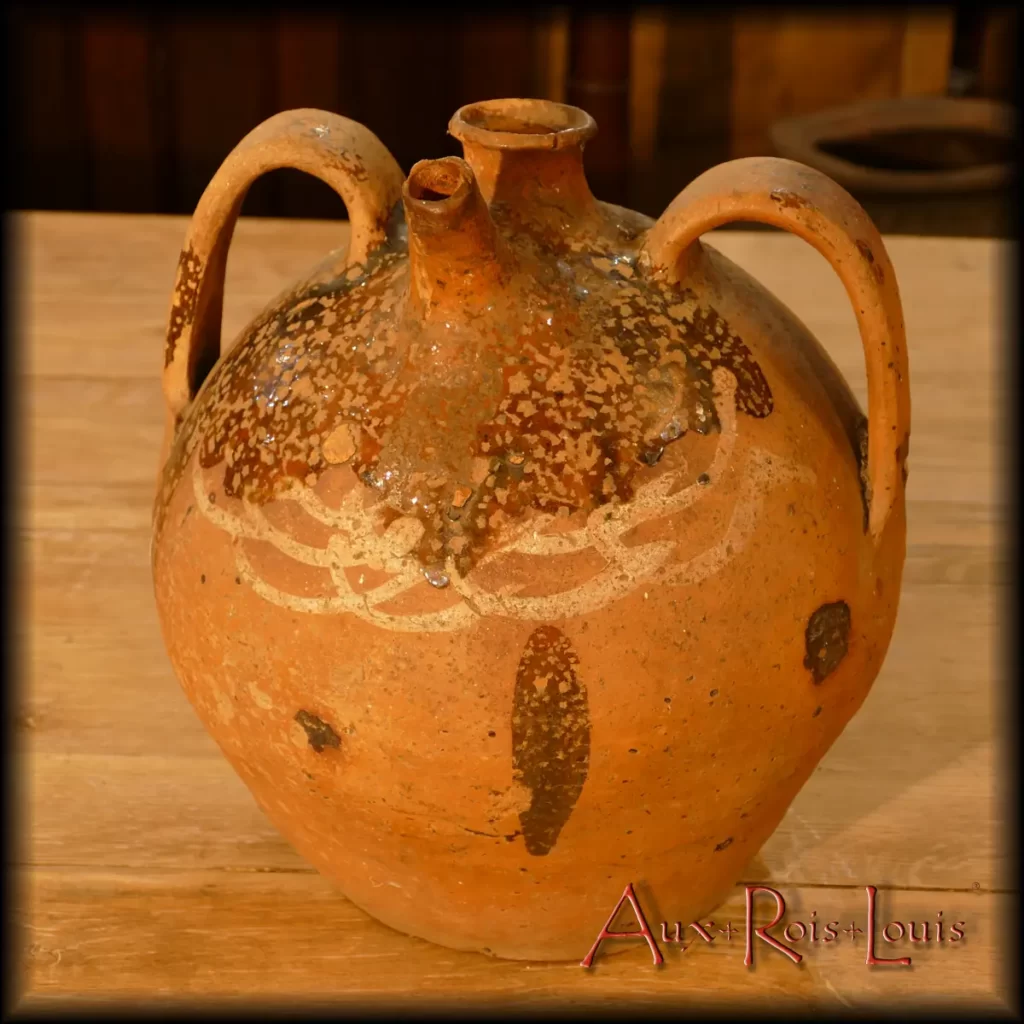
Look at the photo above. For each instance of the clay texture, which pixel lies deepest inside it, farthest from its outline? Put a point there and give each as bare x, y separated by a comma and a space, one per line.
526, 548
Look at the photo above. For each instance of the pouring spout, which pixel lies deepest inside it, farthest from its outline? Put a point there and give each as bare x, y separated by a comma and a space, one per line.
455, 254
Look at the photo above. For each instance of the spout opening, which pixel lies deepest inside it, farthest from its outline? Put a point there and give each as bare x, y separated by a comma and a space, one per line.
522, 124
433, 183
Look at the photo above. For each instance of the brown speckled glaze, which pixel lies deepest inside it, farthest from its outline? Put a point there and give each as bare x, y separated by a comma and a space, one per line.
527, 548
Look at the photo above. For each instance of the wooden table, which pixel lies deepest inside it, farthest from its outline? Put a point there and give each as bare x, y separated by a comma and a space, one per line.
150, 873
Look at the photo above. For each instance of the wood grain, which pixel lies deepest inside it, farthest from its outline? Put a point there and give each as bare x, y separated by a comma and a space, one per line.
211, 54
552, 53
278, 935
53, 166
600, 50
149, 104
308, 74
927, 51
997, 57
800, 61
499, 55
685, 72
117, 59
148, 870
646, 78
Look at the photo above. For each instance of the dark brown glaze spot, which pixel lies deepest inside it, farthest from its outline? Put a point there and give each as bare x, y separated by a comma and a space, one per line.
788, 199
186, 293
817, 711
550, 736
350, 164
724, 844
863, 476
827, 635
876, 268
320, 734
902, 452
557, 402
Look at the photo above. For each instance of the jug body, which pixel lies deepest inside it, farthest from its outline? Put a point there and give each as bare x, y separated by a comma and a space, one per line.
530, 548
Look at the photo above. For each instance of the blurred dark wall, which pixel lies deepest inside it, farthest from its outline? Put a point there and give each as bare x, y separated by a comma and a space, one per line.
133, 110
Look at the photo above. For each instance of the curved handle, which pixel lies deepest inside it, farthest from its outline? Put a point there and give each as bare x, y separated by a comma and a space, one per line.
341, 153
788, 195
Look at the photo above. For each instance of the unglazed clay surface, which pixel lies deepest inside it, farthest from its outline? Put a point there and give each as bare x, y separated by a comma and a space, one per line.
526, 549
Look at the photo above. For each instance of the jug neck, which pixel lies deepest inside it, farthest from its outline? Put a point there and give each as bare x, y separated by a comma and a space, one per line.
527, 154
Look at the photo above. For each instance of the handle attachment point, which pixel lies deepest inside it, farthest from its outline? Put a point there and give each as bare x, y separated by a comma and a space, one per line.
341, 153
799, 199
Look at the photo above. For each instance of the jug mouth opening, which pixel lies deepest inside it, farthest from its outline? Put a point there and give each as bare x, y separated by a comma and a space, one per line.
522, 124
434, 183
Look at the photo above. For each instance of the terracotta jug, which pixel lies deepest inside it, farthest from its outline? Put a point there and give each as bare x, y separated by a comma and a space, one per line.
526, 548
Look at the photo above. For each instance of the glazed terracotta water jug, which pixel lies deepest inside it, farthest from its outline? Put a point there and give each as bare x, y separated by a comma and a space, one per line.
526, 548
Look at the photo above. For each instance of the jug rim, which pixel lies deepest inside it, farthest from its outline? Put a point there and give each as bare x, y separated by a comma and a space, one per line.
522, 124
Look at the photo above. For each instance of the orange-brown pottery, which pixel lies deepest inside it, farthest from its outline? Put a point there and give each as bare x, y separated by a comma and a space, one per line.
526, 548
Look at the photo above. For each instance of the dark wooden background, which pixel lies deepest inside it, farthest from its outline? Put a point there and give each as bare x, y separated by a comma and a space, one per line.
129, 109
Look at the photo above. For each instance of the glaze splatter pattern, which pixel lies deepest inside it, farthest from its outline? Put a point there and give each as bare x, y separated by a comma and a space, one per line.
551, 398
183, 303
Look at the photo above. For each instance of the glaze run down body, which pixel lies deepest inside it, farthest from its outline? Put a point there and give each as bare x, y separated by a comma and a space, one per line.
526, 548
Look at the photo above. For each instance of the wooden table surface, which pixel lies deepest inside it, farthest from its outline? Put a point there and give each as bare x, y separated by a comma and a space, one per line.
149, 872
